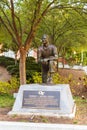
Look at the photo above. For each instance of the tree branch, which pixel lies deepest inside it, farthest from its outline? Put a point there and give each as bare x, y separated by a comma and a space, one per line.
8, 30
44, 12
19, 26
7, 19
14, 23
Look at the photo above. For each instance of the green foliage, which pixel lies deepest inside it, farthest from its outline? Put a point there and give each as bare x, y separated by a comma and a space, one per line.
13, 69
57, 79
68, 31
31, 67
37, 78
10, 86
6, 61
6, 100
30, 59
5, 87
14, 83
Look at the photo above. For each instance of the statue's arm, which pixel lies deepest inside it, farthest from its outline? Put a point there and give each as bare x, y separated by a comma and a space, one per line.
55, 54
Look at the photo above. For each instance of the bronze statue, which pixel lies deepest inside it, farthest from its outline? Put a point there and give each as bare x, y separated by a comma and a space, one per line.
47, 55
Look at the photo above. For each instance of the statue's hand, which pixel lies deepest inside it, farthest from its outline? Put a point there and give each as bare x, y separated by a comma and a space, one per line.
44, 61
41, 60
53, 58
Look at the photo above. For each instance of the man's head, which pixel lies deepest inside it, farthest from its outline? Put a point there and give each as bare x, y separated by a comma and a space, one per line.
45, 40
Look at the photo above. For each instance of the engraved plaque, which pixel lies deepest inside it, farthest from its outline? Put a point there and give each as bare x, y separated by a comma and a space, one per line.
41, 99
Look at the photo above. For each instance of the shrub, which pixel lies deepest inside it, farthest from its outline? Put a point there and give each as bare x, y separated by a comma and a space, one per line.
13, 70
31, 67
57, 78
30, 59
6, 61
37, 78
5, 87
10, 86
14, 82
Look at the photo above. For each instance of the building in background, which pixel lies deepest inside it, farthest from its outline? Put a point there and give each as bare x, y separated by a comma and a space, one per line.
11, 54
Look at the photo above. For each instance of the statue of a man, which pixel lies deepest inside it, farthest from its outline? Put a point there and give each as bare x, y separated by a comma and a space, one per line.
47, 55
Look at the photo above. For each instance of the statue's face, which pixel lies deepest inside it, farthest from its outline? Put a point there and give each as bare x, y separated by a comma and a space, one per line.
45, 40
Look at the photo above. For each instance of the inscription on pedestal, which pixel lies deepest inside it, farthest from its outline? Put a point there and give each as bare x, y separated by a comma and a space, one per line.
41, 99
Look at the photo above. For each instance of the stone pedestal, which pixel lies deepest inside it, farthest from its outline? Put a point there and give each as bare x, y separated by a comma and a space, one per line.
47, 100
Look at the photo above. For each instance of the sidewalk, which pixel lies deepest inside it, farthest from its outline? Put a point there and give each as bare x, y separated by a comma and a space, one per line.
4, 125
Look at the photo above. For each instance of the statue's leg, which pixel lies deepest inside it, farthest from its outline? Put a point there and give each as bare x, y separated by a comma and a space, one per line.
51, 66
45, 69
51, 71
44, 77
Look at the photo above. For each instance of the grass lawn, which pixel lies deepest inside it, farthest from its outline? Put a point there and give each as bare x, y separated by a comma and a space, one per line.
6, 100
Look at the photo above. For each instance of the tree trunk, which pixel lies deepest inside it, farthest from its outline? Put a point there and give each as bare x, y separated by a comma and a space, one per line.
22, 66
15, 58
